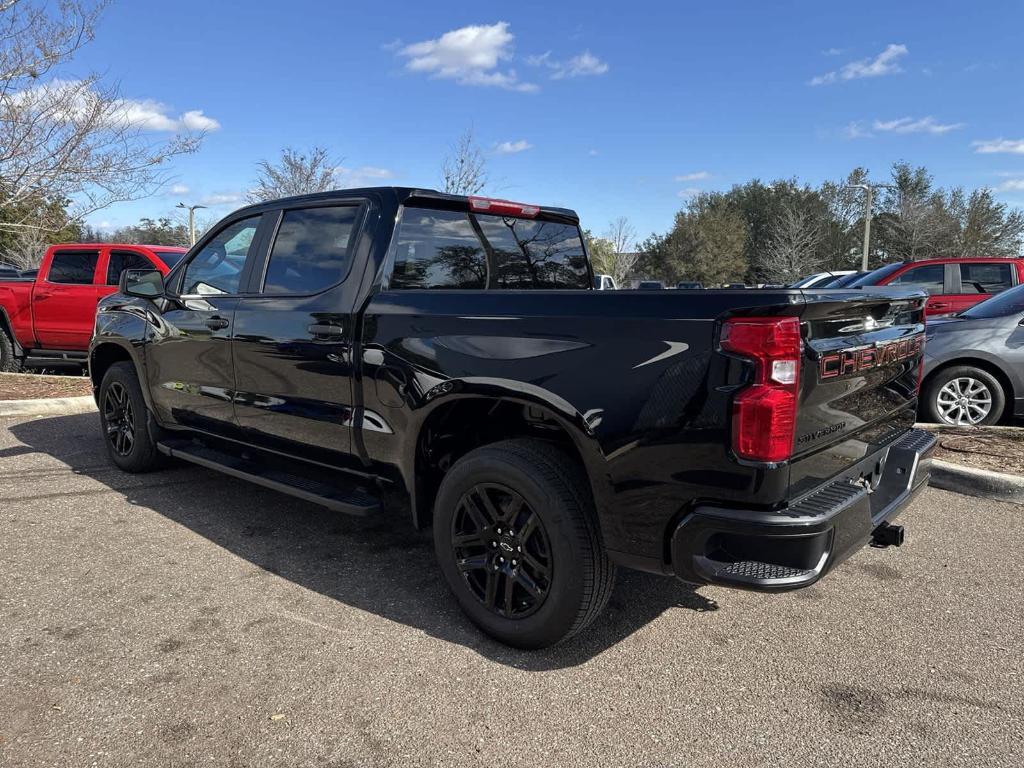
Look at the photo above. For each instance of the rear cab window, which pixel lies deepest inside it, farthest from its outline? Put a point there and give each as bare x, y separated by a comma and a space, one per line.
443, 249
73, 267
311, 251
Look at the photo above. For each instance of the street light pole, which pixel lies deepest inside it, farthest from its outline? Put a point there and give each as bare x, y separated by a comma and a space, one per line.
191, 220
869, 203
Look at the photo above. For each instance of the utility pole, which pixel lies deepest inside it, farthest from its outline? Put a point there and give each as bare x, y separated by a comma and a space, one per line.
869, 203
191, 220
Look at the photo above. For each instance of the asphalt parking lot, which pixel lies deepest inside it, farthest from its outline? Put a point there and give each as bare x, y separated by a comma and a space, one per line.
185, 618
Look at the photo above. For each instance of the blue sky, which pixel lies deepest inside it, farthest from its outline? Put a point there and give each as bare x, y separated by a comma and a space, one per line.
611, 109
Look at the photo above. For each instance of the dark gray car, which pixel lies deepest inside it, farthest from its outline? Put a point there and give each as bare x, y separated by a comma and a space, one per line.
974, 363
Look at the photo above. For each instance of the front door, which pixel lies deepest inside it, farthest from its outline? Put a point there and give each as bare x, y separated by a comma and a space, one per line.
64, 301
293, 336
189, 361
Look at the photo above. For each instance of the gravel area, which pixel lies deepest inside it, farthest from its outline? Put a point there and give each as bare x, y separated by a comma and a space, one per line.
185, 618
33, 386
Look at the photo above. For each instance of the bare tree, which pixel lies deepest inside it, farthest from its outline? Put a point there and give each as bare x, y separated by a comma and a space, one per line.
464, 171
621, 257
793, 249
67, 139
25, 248
296, 173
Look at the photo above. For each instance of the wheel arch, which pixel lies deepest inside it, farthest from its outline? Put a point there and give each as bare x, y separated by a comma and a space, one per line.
8, 328
105, 353
494, 416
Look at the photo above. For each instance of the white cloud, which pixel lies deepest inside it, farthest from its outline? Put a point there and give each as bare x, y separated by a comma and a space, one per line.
77, 99
178, 189
695, 176
581, 65
885, 63
910, 125
992, 146
469, 56
832, 52
1011, 185
688, 192
363, 176
222, 199
512, 147
856, 130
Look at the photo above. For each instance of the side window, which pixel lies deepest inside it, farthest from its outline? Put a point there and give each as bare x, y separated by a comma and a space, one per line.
985, 278
929, 276
73, 267
217, 268
535, 254
122, 260
311, 250
438, 249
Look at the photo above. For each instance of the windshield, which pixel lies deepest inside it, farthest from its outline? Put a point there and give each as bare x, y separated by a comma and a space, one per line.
809, 280
872, 278
844, 281
170, 258
1006, 303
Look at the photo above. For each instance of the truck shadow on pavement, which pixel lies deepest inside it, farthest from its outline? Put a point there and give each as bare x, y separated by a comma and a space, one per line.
380, 565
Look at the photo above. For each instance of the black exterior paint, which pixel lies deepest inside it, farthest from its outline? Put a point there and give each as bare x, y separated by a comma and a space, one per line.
349, 378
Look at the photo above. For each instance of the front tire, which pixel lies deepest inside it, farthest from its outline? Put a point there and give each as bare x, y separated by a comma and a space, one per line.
123, 419
517, 539
964, 396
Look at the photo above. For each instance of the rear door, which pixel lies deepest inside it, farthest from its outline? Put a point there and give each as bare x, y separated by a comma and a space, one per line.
976, 281
189, 363
859, 378
294, 330
937, 279
64, 300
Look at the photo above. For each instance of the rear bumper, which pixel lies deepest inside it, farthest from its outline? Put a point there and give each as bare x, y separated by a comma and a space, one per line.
794, 547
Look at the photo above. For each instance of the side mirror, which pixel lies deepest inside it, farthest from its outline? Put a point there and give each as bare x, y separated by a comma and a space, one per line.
142, 283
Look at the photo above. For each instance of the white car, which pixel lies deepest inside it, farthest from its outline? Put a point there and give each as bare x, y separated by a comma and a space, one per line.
604, 283
818, 279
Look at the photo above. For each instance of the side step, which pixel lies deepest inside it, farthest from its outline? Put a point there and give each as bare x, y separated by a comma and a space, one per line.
345, 497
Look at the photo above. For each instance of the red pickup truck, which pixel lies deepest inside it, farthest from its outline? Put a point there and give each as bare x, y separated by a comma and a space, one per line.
953, 283
48, 320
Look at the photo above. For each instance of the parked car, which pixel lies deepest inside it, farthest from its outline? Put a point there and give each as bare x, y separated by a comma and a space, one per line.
689, 285
8, 270
821, 279
370, 353
843, 281
734, 285
604, 283
953, 284
974, 363
47, 319
650, 285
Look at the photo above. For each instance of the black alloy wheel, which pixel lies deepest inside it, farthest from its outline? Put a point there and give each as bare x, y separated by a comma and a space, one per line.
502, 550
119, 419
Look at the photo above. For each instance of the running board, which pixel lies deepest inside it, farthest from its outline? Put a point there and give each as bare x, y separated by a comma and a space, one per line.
346, 497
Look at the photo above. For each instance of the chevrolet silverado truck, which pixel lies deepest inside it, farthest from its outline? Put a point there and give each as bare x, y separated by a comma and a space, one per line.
47, 320
446, 359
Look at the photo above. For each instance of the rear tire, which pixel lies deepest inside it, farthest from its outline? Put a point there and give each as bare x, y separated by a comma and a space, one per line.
517, 539
964, 396
9, 361
124, 420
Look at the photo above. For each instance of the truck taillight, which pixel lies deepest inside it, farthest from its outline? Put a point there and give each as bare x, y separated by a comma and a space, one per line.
503, 207
764, 412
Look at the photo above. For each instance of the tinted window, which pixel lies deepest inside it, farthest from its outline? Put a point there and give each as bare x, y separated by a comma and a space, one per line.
929, 276
170, 258
311, 250
217, 268
75, 267
985, 278
438, 249
450, 249
1007, 303
122, 260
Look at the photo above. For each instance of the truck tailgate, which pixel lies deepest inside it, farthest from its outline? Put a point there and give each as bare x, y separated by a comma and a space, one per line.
859, 378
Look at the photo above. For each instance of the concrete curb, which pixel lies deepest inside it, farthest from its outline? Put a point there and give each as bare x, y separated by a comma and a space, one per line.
53, 406
977, 482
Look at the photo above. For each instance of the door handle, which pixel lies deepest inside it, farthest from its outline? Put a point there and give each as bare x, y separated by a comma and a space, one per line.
319, 329
216, 323
941, 305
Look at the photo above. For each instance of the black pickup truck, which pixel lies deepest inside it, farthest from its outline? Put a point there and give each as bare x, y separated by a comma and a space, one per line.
389, 349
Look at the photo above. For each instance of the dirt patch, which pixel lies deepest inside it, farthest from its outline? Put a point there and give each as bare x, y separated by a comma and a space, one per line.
31, 386
999, 449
